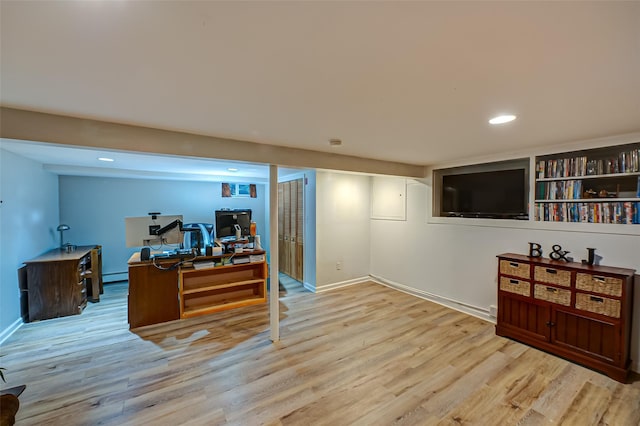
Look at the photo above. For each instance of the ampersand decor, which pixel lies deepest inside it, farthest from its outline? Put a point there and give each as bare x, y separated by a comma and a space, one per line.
558, 253
535, 250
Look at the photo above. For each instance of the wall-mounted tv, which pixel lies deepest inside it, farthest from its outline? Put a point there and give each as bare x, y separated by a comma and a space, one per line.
495, 194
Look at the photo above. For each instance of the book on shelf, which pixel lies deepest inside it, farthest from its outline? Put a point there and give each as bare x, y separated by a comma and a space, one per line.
240, 260
560, 190
620, 212
625, 162
204, 264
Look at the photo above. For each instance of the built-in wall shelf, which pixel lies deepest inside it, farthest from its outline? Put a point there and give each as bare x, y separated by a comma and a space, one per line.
600, 185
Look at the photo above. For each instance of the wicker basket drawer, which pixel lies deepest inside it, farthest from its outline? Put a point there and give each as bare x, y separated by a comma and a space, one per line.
598, 305
516, 269
552, 276
512, 285
599, 284
552, 294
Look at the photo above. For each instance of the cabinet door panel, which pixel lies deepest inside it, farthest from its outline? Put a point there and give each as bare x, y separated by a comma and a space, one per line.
286, 255
524, 317
293, 228
153, 295
589, 335
300, 232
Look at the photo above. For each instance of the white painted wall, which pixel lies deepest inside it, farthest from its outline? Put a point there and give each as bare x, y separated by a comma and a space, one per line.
28, 220
342, 228
457, 261
95, 209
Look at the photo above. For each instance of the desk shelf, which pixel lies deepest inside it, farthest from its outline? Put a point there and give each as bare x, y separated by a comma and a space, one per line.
204, 291
219, 286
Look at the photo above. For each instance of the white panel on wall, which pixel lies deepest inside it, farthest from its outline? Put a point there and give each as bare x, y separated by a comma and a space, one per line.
388, 198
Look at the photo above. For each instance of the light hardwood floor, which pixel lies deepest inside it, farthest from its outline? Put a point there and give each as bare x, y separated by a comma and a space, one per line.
363, 355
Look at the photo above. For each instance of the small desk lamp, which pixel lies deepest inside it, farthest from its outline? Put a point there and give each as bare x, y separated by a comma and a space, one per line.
62, 228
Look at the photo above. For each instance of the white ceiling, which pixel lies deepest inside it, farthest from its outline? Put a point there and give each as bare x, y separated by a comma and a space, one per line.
413, 82
72, 161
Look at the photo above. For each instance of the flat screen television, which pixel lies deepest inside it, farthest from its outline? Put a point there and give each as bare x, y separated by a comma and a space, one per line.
498, 194
226, 219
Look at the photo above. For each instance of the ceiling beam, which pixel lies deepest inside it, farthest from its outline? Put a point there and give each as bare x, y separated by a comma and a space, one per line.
65, 130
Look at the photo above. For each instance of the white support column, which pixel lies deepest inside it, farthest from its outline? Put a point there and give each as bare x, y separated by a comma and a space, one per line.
274, 293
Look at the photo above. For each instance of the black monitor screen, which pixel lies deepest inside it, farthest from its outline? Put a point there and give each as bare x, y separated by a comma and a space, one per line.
226, 219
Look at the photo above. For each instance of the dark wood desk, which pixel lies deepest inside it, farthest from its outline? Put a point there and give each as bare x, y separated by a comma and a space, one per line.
57, 281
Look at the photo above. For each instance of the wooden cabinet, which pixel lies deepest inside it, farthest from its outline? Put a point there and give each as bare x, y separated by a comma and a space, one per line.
580, 312
596, 185
204, 291
153, 293
56, 281
291, 228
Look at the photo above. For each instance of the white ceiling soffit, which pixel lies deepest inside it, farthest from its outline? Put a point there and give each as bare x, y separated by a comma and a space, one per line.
412, 82
73, 161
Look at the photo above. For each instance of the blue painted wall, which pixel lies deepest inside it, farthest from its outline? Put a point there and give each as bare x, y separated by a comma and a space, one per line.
95, 209
28, 222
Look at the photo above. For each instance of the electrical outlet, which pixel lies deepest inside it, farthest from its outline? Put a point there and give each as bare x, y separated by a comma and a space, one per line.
338, 265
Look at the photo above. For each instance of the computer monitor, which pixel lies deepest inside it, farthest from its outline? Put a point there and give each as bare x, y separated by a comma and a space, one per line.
226, 219
141, 231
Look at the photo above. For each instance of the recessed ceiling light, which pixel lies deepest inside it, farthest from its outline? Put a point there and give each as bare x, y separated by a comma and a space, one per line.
107, 159
232, 169
335, 142
501, 119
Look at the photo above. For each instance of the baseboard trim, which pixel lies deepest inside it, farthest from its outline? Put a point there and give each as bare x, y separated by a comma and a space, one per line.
309, 286
115, 276
333, 286
449, 303
7, 332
